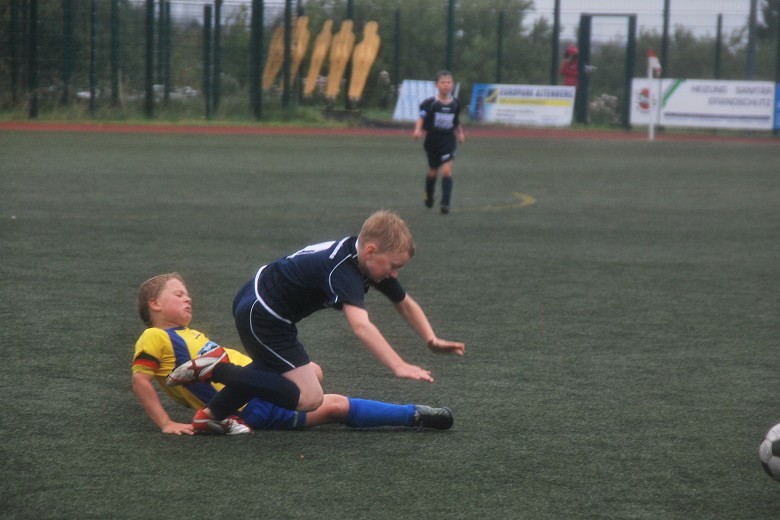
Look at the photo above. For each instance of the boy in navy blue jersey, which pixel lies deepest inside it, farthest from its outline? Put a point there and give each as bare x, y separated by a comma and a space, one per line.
440, 119
336, 275
165, 305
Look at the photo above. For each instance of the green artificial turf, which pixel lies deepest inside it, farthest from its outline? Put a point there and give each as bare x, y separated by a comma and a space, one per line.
619, 301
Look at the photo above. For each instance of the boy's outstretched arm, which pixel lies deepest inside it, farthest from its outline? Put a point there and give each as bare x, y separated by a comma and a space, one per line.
418, 128
150, 401
416, 318
376, 343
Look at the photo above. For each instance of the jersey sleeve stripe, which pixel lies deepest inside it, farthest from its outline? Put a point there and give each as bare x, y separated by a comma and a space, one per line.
145, 360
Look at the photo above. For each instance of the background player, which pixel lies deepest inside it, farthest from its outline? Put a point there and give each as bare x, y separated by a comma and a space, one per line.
440, 119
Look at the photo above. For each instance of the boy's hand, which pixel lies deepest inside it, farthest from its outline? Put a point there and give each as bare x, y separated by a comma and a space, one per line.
175, 428
407, 371
447, 347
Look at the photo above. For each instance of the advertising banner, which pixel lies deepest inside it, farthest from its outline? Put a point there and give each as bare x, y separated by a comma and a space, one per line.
747, 105
530, 105
777, 108
411, 94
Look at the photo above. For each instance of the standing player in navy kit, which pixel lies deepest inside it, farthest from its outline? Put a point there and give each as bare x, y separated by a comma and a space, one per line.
440, 119
336, 275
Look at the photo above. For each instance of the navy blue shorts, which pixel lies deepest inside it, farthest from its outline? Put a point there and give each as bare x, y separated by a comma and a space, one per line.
439, 147
271, 343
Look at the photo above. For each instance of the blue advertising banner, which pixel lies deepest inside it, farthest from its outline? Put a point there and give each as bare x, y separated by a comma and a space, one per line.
526, 105
777, 107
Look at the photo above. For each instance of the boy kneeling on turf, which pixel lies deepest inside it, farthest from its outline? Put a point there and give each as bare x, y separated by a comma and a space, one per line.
165, 306
335, 274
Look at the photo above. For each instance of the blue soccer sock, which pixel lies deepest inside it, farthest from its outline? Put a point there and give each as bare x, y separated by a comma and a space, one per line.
367, 414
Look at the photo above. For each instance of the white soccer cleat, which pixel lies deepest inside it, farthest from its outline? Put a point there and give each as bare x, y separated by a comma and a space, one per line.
199, 369
233, 425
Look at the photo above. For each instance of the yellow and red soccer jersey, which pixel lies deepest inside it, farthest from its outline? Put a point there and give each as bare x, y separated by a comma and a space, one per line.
159, 351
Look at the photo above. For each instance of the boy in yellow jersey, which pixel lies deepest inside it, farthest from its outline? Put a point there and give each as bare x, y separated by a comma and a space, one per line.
165, 305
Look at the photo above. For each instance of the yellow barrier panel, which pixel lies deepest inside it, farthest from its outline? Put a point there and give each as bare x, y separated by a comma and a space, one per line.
275, 58
321, 47
362, 59
300, 43
340, 52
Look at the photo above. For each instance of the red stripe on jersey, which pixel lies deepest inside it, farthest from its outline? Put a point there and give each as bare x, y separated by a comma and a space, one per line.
147, 362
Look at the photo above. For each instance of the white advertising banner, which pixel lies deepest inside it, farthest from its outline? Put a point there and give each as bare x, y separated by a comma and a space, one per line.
531, 105
699, 103
412, 93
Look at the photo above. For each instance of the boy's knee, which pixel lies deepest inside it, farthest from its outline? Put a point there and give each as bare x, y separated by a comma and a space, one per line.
310, 401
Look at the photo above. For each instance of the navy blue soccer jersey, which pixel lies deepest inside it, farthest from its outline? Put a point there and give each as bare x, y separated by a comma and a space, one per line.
438, 116
319, 276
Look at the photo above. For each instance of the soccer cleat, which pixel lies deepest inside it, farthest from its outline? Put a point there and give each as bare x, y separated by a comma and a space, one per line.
429, 417
445, 209
199, 369
428, 201
233, 425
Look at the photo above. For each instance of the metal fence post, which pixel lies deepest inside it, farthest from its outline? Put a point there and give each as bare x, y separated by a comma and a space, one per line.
216, 82
114, 52
256, 59
68, 49
718, 46
32, 76
287, 54
92, 56
396, 79
149, 77
500, 46
583, 72
207, 59
556, 38
450, 33
630, 65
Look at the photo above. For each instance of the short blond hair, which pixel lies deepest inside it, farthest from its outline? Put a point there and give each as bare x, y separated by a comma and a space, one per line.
150, 289
388, 232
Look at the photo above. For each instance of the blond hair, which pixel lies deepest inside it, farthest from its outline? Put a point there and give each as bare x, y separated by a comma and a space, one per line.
150, 289
388, 232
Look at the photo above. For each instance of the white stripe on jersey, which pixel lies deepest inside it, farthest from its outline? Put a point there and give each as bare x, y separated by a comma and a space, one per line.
336, 250
330, 275
265, 305
252, 328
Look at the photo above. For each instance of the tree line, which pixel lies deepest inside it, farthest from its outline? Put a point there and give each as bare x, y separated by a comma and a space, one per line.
492, 42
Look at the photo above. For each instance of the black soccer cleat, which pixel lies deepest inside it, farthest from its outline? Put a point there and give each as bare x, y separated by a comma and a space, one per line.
435, 418
428, 201
445, 209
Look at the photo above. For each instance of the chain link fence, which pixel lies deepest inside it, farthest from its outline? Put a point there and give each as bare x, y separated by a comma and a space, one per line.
136, 58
